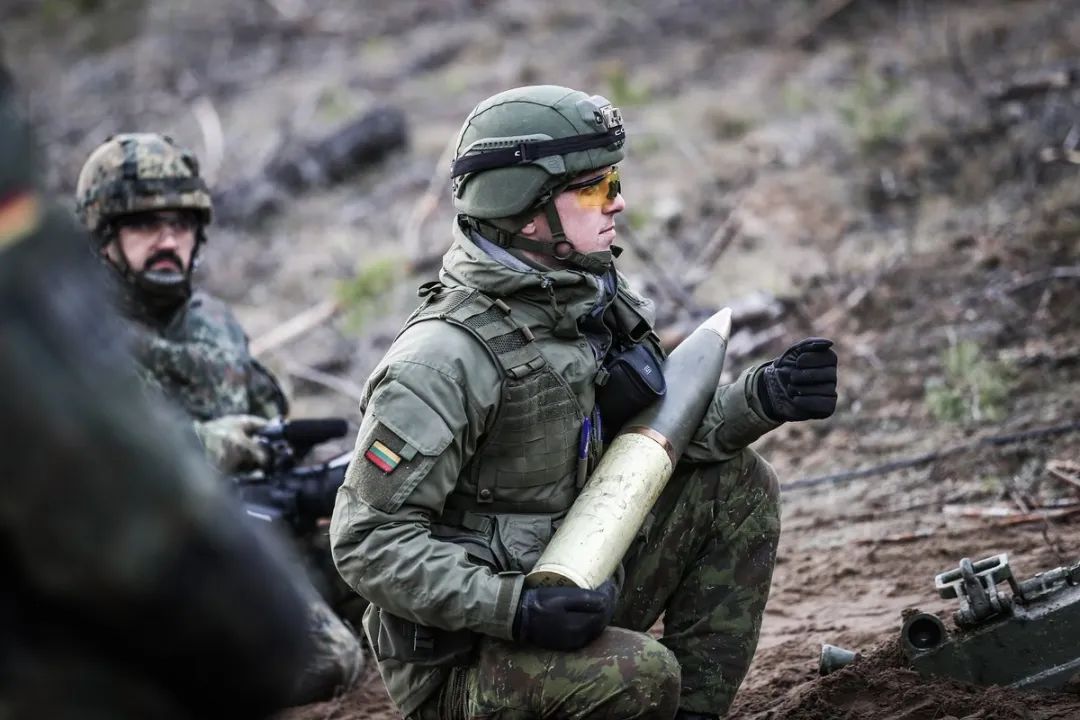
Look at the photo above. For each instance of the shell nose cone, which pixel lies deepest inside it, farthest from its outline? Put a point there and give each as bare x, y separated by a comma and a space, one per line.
720, 323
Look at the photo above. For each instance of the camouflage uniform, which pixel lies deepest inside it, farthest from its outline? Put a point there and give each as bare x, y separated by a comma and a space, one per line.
704, 559
132, 587
199, 358
189, 346
466, 463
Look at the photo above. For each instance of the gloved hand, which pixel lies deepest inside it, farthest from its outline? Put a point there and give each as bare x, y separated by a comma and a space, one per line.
564, 618
801, 383
230, 443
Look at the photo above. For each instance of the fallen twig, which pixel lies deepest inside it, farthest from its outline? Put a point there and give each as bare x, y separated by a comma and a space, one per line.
702, 266
295, 327
1068, 472
895, 539
672, 288
1057, 273
926, 458
819, 17
1041, 516
1055, 154
426, 203
850, 302
326, 380
206, 115
1036, 83
1006, 512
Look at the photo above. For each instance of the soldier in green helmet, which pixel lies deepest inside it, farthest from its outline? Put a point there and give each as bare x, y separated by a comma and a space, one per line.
132, 588
491, 408
146, 206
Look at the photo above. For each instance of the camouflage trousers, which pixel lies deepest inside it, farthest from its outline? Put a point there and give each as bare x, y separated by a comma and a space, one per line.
705, 562
336, 658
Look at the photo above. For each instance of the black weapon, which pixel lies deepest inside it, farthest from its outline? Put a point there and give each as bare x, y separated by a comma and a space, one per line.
286, 493
1028, 639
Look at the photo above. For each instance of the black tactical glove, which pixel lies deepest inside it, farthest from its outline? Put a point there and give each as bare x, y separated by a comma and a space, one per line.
801, 383
564, 618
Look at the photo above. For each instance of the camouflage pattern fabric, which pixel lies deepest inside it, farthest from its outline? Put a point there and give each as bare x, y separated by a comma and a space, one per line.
137, 172
131, 586
623, 674
411, 531
231, 444
705, 561
336, 658
200, 360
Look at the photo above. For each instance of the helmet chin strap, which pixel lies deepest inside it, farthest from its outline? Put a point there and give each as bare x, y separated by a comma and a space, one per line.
153, 294
559, 247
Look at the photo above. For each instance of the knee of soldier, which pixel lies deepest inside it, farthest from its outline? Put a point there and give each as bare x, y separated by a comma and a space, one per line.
336, 651
760, 475
747, 475
646, 672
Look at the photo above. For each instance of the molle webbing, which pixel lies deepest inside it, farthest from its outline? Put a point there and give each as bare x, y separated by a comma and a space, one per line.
489, 320
528, 457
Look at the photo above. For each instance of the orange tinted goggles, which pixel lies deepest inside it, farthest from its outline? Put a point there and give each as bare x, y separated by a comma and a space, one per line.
598, 191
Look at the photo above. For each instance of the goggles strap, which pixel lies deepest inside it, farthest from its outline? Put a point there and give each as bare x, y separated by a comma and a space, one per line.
597, 263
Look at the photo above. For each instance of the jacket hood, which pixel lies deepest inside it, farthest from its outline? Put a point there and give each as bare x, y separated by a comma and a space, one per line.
467, 264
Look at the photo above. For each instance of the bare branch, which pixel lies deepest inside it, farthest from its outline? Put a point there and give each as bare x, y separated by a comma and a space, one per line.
326, 380
295, 327
213, 137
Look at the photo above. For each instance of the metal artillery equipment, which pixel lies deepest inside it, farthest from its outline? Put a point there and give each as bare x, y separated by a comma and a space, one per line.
1029, 638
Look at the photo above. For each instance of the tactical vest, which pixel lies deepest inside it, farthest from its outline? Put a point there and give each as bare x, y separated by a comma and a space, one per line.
528, 461
525, 474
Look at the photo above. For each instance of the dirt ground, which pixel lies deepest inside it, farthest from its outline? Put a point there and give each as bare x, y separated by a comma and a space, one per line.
899, 176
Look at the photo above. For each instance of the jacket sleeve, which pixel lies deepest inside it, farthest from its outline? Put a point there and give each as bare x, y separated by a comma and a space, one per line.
427, 406
733, 420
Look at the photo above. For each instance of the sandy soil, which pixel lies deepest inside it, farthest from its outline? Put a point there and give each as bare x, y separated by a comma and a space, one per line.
897, 175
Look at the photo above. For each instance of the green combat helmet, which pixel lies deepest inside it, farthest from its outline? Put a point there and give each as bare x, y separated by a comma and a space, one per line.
139, 172
521, 148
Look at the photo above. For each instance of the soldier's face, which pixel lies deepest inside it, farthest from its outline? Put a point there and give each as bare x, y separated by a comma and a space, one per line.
162, 240
587, 213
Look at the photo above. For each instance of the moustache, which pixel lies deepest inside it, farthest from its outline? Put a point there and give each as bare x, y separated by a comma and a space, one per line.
165, 255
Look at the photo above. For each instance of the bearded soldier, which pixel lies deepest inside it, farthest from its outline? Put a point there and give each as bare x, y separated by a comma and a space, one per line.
492, 407
141, 197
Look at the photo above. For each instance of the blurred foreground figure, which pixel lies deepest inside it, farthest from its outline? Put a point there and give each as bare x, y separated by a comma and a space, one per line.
492, 407
131, 587
142, 199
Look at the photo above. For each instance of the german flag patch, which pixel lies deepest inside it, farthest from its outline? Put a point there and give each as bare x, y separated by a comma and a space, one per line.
20, 214
382, 457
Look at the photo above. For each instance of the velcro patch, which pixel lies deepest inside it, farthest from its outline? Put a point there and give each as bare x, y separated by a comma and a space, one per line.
382, 457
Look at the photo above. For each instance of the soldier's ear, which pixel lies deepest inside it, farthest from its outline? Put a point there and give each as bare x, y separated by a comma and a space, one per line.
529, 229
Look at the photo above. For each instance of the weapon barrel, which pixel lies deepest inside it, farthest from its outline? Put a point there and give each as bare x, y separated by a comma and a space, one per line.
610, 510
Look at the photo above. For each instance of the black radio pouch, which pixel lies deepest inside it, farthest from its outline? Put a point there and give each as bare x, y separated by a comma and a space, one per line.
406, 641
631, 380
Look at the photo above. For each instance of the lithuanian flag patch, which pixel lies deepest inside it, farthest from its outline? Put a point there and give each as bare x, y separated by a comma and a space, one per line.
382, 457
